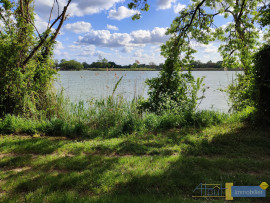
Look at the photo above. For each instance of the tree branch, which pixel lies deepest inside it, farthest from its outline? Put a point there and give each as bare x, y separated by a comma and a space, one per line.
193, 16
241, 11
43, 39
51, 14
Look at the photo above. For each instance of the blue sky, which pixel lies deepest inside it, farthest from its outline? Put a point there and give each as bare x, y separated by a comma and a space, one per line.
104, 28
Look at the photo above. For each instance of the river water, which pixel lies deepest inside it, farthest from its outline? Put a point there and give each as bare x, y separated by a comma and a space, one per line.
84, 85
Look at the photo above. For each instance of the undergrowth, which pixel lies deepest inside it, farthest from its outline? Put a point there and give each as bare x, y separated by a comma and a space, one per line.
112, 117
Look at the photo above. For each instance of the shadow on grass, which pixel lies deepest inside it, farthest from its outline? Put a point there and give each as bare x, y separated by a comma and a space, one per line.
240, 155
80, 174
30, 146
239, 142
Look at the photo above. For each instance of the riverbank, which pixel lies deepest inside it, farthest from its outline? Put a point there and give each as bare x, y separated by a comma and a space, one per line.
162, 166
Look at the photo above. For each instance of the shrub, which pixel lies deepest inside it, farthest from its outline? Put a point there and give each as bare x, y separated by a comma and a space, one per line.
13, 124
175, 92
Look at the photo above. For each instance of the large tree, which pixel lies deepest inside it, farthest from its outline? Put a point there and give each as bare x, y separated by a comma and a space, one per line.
239, 40
26, 57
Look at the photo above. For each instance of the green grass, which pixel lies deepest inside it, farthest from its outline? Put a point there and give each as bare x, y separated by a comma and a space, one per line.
158, 166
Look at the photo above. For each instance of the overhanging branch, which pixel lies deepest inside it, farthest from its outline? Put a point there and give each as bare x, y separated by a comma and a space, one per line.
60, 18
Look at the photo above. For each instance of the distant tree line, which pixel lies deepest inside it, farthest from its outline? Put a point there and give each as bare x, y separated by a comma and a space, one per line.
209, 64
104, 63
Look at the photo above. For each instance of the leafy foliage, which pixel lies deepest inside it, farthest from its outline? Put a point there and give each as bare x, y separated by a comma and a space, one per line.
26, 75
240, 43
253, 89
241, 92
177, 92
139, 5
262, 84
71, 65
23, 88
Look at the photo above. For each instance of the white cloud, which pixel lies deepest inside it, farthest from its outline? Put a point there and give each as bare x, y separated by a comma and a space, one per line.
88, 51
206, 52
164, 4
141, 36
79, 27
80, 38
76, 8
127, 49
206, 48
65, 55
179, 7
138, 53
121, 13
156, 36
159, 35
104, 38
40, 24
58, 47
101, 54
210, 48
112, 27
74, 46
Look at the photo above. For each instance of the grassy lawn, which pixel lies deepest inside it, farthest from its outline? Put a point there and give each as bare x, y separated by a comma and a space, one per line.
163, 166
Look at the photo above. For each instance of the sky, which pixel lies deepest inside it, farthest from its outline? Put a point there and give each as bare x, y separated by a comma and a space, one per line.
104, 28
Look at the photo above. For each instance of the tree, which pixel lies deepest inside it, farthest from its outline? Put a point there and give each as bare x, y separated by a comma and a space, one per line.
196, 23
103, 62
56, 63
85, 65
139, 5
26, 58
219, 64
264, 19
160, 66
71, 65
63, 60
196, 64
134, 65
152, 65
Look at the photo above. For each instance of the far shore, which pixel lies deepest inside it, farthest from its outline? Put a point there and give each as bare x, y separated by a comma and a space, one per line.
150, 69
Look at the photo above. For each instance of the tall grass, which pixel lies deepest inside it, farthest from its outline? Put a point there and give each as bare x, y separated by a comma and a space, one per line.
111, 117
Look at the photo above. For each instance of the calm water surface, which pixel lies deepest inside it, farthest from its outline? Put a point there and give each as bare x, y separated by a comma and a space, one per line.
84, 85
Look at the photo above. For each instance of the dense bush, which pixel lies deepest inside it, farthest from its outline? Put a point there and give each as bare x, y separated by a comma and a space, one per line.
252, 89
173, 91
262, 84
241, 92
26, 75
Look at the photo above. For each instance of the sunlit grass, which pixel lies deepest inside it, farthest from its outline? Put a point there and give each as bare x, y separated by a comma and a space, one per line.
163, 166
